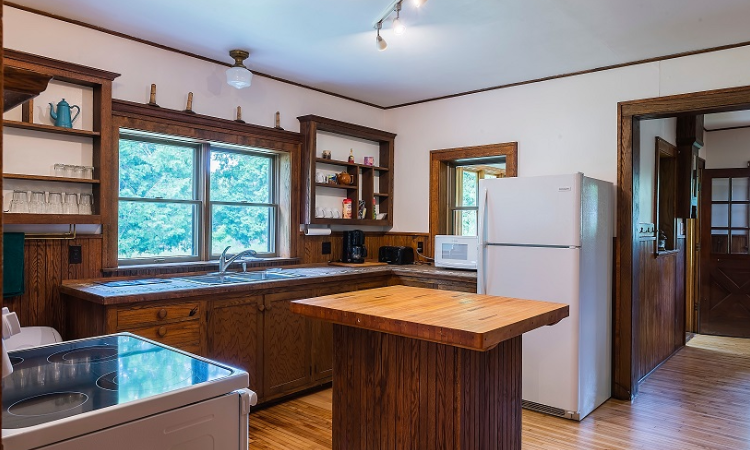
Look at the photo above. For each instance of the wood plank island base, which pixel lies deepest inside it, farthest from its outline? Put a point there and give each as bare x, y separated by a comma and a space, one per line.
418, 368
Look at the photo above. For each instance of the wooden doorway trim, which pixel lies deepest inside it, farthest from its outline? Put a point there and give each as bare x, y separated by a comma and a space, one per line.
626, 316
439, 163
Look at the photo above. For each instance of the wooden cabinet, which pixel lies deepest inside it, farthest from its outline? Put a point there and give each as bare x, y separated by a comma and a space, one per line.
95, 84
176, 324
286, 345
235, 328
372, 184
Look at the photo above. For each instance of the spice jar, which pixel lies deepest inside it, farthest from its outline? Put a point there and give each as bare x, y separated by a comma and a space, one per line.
347, 208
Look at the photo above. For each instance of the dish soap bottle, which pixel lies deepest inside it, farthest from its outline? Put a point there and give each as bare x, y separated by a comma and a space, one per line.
351, 155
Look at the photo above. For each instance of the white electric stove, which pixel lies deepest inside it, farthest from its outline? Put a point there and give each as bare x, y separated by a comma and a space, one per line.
122, 392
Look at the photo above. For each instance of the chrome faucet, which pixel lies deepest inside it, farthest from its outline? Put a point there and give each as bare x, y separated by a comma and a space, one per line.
224, 263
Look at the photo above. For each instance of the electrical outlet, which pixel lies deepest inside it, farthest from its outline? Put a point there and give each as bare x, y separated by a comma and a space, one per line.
326, 248
75, 255
420, 247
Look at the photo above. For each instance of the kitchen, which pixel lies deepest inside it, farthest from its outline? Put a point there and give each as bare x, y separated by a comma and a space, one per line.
578, 114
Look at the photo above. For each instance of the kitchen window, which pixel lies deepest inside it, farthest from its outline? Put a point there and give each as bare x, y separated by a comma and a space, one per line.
464, 182
182, 200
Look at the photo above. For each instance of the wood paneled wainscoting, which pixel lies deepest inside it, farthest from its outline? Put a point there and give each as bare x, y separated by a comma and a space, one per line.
662, 304
310, 246
45, 267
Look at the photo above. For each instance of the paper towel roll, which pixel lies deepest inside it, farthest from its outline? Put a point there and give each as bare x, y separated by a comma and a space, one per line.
317, 231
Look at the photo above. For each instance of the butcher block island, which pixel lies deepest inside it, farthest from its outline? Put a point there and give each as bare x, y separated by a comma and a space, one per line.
423, 368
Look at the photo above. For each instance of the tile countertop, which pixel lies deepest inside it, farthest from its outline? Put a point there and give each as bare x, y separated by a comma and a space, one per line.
91, 289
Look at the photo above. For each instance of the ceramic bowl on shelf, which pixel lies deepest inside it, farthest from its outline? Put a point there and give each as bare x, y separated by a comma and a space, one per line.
381, 216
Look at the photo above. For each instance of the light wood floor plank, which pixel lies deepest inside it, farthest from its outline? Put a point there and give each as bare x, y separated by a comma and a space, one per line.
698, 400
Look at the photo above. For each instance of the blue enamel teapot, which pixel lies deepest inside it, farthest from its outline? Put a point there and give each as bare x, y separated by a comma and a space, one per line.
62, 115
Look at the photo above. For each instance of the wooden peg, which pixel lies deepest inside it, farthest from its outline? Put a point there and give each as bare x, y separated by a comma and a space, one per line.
189, 106
278, 121
239, 115
152, 98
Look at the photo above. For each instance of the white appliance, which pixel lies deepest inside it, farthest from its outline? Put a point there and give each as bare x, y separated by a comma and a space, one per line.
121, 392
550, 238
456, 252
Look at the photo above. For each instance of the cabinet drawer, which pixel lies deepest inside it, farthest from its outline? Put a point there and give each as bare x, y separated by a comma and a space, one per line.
133, 317
174, 334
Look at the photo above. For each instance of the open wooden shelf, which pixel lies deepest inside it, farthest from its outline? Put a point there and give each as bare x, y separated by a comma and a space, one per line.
380, 195
49, 128
326, 221
335, 162
348, 187
21, 176
63, 219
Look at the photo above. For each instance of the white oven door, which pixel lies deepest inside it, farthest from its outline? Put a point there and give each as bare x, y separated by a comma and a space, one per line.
218, 423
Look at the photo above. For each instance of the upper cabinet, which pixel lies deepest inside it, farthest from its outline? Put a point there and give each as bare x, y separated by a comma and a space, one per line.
34, 143
367, 181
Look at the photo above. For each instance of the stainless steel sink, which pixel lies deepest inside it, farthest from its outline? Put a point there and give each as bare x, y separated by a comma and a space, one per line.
238, 277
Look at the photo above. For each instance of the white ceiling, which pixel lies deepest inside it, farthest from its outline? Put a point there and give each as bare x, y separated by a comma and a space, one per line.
450, 46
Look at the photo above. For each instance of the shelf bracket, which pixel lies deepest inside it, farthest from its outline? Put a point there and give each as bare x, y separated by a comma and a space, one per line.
69, 236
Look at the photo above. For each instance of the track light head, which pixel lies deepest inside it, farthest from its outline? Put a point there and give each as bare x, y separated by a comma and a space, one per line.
419, 3
379, 41
398, 26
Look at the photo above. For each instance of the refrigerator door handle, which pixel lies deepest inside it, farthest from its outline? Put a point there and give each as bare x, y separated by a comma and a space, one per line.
482, 243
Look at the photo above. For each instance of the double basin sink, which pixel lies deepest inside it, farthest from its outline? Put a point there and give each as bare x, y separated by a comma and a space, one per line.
239, 277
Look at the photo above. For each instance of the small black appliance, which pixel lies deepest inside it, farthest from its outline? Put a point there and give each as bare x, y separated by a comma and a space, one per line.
354, 250
396, 255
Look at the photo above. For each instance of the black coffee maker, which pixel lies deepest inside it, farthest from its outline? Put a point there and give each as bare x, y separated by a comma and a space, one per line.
354, 247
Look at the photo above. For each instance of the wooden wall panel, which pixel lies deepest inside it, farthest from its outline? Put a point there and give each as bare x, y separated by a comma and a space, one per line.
45, 267
661, 294
310, 246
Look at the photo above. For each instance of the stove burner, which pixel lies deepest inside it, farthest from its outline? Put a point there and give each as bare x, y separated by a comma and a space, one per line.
42, 405
108, 381
93, 354
15, 360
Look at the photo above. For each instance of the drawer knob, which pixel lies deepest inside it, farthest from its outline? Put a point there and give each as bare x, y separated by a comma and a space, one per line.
162, 313
261, 307
162, 331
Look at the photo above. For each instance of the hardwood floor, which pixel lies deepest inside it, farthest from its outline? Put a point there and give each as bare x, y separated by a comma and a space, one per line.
699, 399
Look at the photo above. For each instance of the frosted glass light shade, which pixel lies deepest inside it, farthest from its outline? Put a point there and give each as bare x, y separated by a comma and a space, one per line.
239, 77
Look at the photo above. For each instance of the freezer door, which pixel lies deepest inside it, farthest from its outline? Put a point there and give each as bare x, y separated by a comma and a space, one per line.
531, 210
550, 354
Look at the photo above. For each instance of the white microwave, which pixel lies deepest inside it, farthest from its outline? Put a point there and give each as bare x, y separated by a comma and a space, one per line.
456, 252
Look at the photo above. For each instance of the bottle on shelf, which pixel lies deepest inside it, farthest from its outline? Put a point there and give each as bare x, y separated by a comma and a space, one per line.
351, 155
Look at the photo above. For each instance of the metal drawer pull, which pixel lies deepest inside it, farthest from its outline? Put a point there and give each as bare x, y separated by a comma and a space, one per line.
162, 313
193, 311
162, 331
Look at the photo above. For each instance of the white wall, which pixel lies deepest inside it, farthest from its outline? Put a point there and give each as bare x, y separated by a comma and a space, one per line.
650, 130
562, 125
727, 149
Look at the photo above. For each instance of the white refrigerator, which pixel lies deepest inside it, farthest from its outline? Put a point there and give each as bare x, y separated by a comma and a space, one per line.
550, 238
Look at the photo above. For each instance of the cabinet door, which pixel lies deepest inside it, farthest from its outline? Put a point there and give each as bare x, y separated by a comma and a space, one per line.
233, 336
286, 345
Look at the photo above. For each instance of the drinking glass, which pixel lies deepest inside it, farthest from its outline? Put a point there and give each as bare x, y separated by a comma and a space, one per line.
59, 170
70, 204
68, 170
77, 171
88, 172
86, 205
54, 203
38, 203
19, 203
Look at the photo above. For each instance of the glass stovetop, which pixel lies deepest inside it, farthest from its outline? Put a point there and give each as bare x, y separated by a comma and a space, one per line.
70, 378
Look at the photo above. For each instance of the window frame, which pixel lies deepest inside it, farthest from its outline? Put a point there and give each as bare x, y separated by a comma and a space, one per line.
203, 222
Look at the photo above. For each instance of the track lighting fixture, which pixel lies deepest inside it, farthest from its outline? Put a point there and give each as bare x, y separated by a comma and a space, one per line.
379, 41
398, 25
238, 76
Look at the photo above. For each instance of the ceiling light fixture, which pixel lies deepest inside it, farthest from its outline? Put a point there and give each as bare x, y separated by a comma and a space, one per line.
379, 41
398, 25
239, 76
419, 3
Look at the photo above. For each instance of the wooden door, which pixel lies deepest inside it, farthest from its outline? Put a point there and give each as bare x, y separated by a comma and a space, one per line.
286, 345
233, 336
725, 258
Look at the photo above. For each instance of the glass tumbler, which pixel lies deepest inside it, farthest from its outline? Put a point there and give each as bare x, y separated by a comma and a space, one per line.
54, 203
67, 170
88, 172
38, 203
19, 204
86, 205
70, 204
77, 171
59, 170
